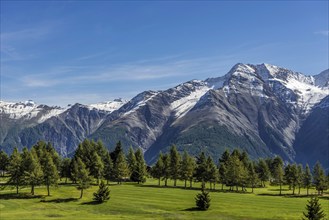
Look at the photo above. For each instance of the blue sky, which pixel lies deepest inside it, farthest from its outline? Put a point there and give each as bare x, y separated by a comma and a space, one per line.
61, 52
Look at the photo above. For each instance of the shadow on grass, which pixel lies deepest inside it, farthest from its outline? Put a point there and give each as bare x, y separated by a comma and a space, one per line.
91, 203
19, 196
60, 200
294, 196
193, 209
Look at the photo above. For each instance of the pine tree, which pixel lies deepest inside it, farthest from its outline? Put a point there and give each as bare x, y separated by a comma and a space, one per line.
157, 169
253, 177
97, 168
202, 200
33, 174
235, 171
294, 177
314, 210
108, 168
201, 169
102, 194
65, 170
299, 177
212, 172
187, 167
307, 178
50, 172
319, 178
120, 167
278, 174
263, 171
15, 169
166, 168
82, 176
4, 161
139, 172
118, 149
131, 161
174, 163
222, 171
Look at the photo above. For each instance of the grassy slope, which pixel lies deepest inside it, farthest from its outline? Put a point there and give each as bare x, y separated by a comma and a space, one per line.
130, 201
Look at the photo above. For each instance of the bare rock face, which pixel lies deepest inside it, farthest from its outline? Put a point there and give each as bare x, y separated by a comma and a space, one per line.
262, 109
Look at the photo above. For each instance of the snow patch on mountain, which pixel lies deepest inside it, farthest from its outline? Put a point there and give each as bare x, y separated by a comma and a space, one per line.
108, 106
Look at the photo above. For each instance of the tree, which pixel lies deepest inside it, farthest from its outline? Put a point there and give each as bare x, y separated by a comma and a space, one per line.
50, 172
15, 169
278, 174
158, 169
120, 167
4, 162
166, 168
314, 210
131, 161
212, 172
235, 172
263, 171
187, 167
102, 194
294, 177
97, 168
108, 168
307, 178
139, 171
65, 169
116, 152
202, 200
82, 175
201, 169
33, 174
299, 177
174, 164
253, 177
319, 178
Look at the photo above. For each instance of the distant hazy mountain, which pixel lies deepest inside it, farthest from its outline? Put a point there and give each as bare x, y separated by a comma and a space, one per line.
263, 109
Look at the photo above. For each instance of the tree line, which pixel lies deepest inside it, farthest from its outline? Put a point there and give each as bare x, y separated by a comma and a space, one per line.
92, 163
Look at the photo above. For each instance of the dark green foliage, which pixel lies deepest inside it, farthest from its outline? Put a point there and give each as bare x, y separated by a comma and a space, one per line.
187, 167
33, 174
319, 178
201, 169
65, 169
314, 210
157, 170
15, 169
50, 172
139, 171
212, 174
121, 170
108, 168
307, 178
263, 171
174, 163
131, 161
118, 149
166, 168
202, 200
82, 175
97, 167
102, 194
252, 176
4, 162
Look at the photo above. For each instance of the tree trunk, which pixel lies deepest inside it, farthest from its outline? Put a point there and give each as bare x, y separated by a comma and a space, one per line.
81, 194
280, 188
48, 189
32, 190
159, 182
16, 188
185, 184
222, 186
298, 190
191, 183
166, 182
65, 180
175, 182
307, 190
293, 190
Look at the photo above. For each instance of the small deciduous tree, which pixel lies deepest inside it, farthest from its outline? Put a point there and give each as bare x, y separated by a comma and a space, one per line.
314, 210
102, 194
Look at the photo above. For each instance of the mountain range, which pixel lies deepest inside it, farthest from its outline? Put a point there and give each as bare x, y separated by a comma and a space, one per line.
263, 109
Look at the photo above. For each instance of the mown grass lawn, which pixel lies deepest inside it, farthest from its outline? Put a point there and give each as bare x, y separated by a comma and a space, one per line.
148, 201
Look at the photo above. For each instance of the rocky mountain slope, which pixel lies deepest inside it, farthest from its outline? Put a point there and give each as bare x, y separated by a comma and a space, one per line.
262, 109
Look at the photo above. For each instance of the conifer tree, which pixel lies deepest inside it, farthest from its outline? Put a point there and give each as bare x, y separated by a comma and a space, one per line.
201, 169
174, 163
212, 172
319, 178
82, 175
314, 210
4, 161
166, 168
118, 149
65, 170
222, 171
50, 172
108, 168
15, 169
299, 177
307, 178
278, 174
33, 174
102, 194
131, 161
263, 171
294, 177
139, 171
253, 177
97, 167
187, 167
120, 167
202, 200
158, 169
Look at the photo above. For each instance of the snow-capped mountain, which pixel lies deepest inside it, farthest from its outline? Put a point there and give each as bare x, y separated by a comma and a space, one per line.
259, 108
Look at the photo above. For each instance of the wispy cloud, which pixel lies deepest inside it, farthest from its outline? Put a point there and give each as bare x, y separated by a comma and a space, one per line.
324, 33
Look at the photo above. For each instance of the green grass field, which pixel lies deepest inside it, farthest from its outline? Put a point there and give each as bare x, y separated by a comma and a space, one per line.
148, 201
